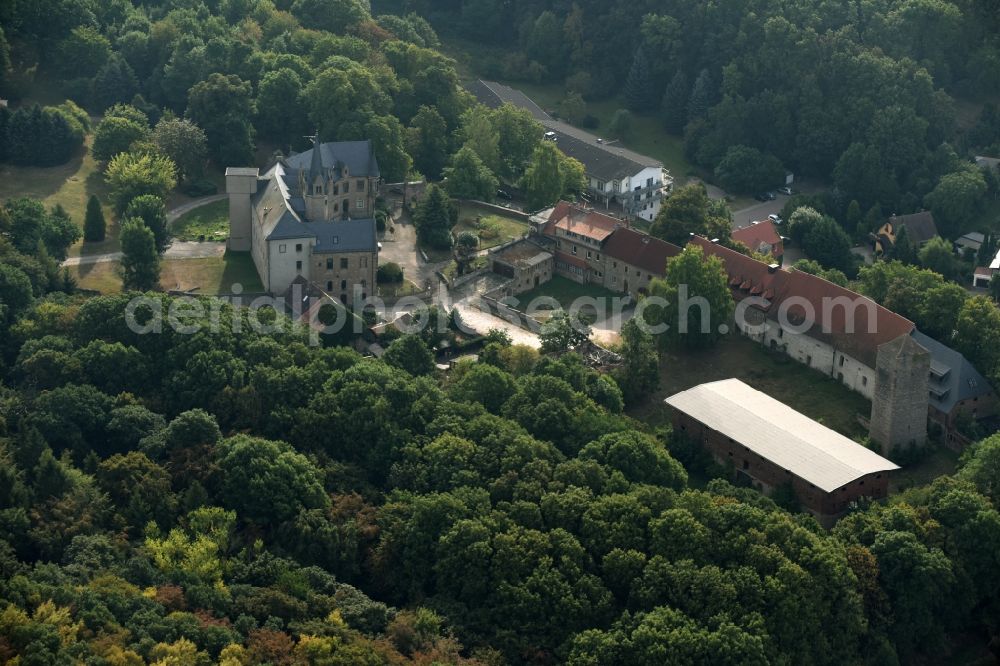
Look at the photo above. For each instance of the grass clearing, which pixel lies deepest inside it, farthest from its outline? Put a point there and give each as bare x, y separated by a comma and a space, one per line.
814, 394
204, 275
208, 222
69, 185
102, 277
941, 461
211, 275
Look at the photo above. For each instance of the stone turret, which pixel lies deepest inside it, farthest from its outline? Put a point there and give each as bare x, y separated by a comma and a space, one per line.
315, 192
241, 185
900, 399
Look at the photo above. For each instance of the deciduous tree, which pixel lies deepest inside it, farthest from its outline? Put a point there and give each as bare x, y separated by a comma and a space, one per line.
131, 175
468, 177
698, 304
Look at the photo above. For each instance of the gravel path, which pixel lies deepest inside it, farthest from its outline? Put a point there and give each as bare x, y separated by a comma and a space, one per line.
177, 249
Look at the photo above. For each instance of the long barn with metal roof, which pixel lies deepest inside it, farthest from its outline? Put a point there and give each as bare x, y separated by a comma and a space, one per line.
773, 445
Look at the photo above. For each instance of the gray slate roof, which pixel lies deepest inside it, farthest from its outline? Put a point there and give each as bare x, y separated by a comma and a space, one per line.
356, 155
281, 207
493, 95
953, 378
919, 226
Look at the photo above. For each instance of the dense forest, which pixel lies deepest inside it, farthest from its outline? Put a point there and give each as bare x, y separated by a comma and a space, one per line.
253, 499
241, 496
861, 93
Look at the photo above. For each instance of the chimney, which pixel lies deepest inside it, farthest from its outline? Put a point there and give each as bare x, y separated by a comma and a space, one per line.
772, 268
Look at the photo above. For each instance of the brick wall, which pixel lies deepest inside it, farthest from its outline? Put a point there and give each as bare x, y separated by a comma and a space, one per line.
768, 476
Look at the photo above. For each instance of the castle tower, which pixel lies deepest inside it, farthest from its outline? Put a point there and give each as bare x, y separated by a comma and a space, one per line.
315, 193
899, 402
241, 185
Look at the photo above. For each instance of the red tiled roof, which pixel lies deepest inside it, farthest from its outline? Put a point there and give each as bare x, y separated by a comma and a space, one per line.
640, 250
756, 234
588, 223
829, 323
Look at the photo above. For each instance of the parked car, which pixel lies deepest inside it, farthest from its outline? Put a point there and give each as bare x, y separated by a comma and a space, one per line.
762, 197
787, 191
771, 196
504, 194
774, 218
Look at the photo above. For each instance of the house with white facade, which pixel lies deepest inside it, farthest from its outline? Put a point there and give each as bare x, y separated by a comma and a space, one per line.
310, 216
619, 178
982, 276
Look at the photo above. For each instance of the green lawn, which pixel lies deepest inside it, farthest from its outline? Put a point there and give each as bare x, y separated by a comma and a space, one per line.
208, 276
70, 185
814, 394
102, 277
492, 228
212, 275
941, 462
209, 222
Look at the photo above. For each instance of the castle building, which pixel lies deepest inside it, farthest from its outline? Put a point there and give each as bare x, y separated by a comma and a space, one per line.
310, 216
593, 248
868, 348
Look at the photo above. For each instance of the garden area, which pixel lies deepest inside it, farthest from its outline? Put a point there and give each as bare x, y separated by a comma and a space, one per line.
205, 223
565, 292
490, 226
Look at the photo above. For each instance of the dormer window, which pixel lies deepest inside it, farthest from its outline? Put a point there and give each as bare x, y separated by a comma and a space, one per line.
318, 189
336, 240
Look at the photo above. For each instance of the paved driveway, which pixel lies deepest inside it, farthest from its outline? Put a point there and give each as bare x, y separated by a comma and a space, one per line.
401, 247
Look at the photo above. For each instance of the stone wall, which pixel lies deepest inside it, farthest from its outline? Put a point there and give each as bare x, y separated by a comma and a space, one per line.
900, 399
338, 272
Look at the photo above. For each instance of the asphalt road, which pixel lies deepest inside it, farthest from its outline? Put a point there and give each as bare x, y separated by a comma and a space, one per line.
743, 218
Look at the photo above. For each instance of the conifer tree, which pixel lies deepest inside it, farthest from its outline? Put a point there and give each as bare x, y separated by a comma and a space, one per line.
701, 96
94, 226
675, 102
638, 86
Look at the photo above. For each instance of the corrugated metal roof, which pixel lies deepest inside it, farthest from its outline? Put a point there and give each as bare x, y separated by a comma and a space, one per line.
775, 431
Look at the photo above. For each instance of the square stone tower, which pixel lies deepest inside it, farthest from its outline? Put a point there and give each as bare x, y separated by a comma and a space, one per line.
900, 399
241, 185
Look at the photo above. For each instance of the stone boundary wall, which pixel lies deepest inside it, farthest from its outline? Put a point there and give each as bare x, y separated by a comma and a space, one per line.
509, 314
508, 212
